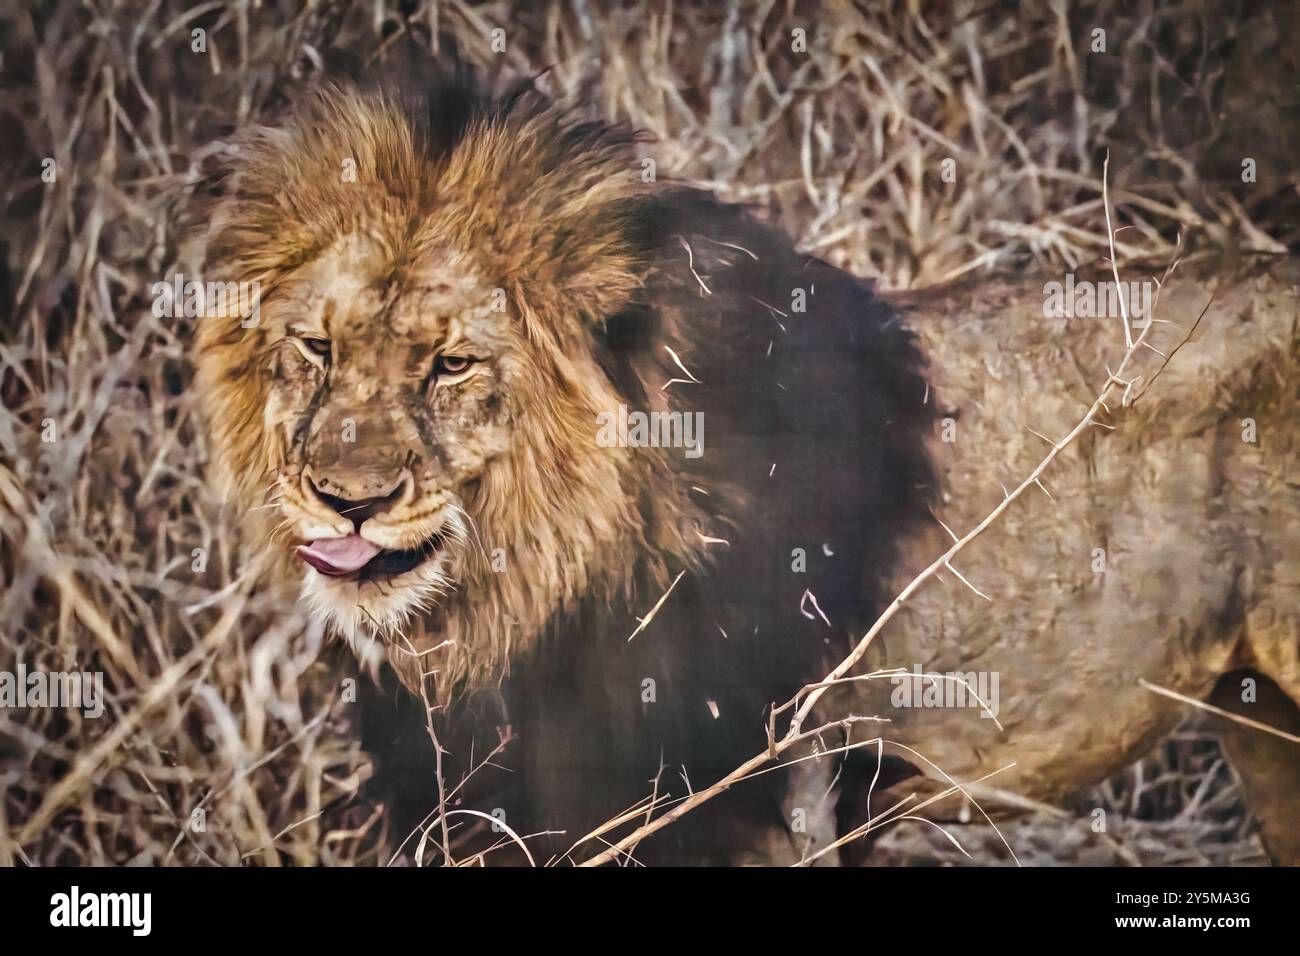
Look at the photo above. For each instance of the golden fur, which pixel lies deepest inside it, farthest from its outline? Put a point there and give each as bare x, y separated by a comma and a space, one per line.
1166, 552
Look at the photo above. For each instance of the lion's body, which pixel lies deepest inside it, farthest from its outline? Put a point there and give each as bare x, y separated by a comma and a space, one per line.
623, 615
1166, 552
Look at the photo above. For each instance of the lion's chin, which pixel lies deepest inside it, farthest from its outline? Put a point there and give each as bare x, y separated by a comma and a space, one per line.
370, 613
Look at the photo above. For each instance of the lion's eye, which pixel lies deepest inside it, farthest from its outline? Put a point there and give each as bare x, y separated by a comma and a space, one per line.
452, 364
318, 347
313, 348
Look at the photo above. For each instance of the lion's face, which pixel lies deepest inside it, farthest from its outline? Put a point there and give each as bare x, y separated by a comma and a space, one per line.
387, 400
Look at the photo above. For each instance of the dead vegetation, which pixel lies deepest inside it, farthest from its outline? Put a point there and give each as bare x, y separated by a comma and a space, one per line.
227, 735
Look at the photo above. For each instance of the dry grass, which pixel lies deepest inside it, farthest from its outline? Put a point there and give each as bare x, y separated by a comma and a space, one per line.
1181, 805
221, 697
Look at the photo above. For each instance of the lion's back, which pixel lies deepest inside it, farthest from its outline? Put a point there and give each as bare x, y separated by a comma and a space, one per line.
1148, 552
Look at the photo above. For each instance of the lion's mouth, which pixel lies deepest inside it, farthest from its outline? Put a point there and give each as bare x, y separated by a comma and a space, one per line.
354, 556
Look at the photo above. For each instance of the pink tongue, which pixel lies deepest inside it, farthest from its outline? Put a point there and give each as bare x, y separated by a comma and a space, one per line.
338, 555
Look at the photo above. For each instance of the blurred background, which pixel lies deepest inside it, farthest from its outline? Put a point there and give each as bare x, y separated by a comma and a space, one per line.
913, 143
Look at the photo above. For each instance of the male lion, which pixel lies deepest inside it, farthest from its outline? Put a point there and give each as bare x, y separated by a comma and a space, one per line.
466, 315
603, 468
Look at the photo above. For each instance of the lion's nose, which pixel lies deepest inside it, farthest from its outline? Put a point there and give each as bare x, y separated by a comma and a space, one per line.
358, 500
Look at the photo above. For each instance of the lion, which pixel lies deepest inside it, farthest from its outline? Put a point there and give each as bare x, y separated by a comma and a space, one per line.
547, 438
598, 467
